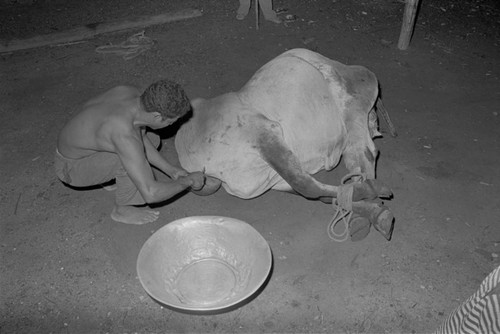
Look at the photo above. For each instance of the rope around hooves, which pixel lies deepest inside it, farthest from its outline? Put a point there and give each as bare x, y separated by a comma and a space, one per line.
343, 206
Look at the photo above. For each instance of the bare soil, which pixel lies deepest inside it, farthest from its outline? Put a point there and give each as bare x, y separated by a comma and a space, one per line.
66, 267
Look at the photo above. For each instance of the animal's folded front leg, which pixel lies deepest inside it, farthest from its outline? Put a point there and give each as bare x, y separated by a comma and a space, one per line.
369, 190
280, 157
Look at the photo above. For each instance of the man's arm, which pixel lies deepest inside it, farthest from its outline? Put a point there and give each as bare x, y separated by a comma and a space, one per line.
130, 149
157, 160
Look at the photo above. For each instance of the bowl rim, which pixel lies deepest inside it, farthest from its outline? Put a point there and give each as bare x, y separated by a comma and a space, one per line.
209, 308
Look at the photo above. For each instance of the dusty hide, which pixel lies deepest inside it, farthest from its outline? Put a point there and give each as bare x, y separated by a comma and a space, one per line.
299, 114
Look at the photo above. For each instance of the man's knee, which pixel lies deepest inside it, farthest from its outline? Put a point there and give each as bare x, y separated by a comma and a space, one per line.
126, 191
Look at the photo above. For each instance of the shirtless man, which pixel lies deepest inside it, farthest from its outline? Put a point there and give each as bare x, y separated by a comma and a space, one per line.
107, 140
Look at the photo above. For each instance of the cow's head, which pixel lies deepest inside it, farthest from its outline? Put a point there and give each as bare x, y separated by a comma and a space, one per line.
360, 119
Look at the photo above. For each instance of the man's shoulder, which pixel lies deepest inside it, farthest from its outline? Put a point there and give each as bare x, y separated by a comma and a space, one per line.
124, 90
118, 97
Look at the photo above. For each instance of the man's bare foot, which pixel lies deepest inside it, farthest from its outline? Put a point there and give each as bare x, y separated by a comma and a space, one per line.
132, 215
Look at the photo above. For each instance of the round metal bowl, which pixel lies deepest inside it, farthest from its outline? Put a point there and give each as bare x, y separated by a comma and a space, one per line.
204, 263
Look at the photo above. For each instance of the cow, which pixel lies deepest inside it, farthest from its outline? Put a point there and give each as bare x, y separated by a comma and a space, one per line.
299, 114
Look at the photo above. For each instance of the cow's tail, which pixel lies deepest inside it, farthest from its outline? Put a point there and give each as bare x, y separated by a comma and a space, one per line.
382, 112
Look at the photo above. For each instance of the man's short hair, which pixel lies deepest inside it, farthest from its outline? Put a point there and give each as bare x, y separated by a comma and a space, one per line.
167, 98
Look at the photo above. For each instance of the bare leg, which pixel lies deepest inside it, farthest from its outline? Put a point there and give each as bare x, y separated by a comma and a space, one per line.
267, 9
127, 198
243, 9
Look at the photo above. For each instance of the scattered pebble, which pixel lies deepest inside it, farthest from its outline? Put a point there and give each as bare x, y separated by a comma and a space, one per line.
308, 40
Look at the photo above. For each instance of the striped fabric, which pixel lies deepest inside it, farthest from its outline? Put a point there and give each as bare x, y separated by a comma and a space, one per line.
480, 314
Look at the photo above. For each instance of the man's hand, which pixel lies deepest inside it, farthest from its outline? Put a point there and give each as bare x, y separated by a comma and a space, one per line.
196, 180
177, 173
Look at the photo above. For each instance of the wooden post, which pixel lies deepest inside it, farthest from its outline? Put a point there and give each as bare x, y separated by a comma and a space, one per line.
91, 30
256, 14
408, 24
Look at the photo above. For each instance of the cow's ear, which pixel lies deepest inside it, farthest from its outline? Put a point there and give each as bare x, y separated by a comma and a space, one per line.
373, 124
376, 134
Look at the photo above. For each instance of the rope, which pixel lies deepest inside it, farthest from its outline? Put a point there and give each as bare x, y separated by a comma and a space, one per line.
256, 14
131, 48
343, 212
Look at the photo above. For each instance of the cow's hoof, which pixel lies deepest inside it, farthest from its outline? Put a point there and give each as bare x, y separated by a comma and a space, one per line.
359, 228
383, 221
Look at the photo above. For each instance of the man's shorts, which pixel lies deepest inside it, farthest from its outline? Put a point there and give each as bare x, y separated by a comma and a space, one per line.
97, 168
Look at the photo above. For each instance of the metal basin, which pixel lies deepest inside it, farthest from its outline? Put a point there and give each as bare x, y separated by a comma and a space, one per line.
204, 263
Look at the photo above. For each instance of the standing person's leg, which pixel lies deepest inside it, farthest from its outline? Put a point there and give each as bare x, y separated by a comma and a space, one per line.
243, 9
267, 9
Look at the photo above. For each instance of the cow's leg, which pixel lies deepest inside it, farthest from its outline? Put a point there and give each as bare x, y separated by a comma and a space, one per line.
279, 156
378, 214
360, 159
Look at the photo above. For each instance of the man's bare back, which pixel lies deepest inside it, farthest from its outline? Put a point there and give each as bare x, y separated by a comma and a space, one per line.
107, 140
99, 120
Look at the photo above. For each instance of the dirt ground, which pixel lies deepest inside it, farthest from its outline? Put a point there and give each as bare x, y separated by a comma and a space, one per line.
66, 267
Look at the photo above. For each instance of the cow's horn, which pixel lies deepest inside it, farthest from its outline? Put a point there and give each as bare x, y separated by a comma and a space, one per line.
385, 115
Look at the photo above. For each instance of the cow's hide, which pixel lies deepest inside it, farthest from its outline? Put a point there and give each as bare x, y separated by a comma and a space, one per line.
300, 113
